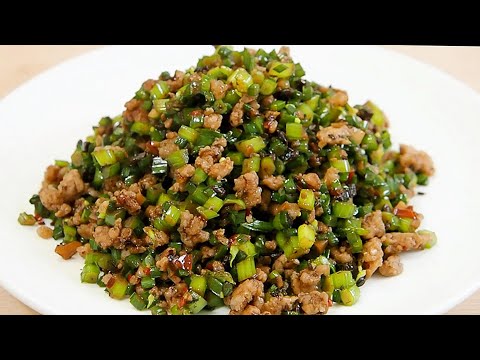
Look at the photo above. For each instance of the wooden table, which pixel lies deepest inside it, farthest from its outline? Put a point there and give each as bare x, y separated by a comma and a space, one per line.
20, 63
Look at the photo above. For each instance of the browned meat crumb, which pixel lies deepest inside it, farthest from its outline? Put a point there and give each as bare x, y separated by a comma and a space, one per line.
84, 250
166, 147
270, 245
276, 305
399, 242
86, 230
147, 181
207, 252
245, 293
292, 209
209, 155
342, 254
330, 176
372, 256
190, 229
391, 266
261, 275
314, 302
374, 224
312, 180
274, 182
246, 187
52, 174
220, 236
221, 169
416, 160
181, 176
337, 134
176, 82
155, 237
250, 310
218, 88
128, 200
307, 280
45, 232
64, 210
340, 98
211, 120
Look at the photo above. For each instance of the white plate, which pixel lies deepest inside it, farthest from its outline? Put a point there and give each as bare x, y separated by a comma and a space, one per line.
43, 119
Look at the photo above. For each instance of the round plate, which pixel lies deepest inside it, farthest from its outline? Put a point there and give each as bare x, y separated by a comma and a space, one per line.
43, 119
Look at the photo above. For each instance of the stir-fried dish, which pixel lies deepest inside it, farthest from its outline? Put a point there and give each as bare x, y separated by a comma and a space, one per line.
237, 182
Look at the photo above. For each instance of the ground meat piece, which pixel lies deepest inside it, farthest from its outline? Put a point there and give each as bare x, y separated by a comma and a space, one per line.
246, 187
250, 310
271, 116
207, 252
307, 280
245, 293
267, 100
330, 176
86, 230
374, 224
261, 275
84, 250
270, 245
274, 182
218, 88
50, 197
213, 121
181, 176
391, 266
177, 295
312, 180
72, 186
153, 212
166, 147
128, 200
176, 82
135, 111
418, 161
69, 189
64, 210
236, 117
149, 84
220, 236
147, 181
276, 305
155, 237
190, 229
340, 98
216, 266
339, 134
399, 242
209, 155
101, 237
270, 125
284, 52
292, 209
342, 254
45, 232
372, 256
221, 169
52, 174
279, 264
315, 302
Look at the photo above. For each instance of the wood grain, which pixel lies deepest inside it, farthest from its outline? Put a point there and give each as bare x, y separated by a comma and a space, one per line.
22, 62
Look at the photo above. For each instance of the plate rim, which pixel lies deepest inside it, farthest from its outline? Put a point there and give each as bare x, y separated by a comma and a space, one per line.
43, 308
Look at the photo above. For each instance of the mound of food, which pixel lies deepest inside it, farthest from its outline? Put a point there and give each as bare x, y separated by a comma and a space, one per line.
236, 183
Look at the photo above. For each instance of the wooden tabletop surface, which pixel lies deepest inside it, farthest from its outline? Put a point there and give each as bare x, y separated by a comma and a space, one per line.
20, 63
